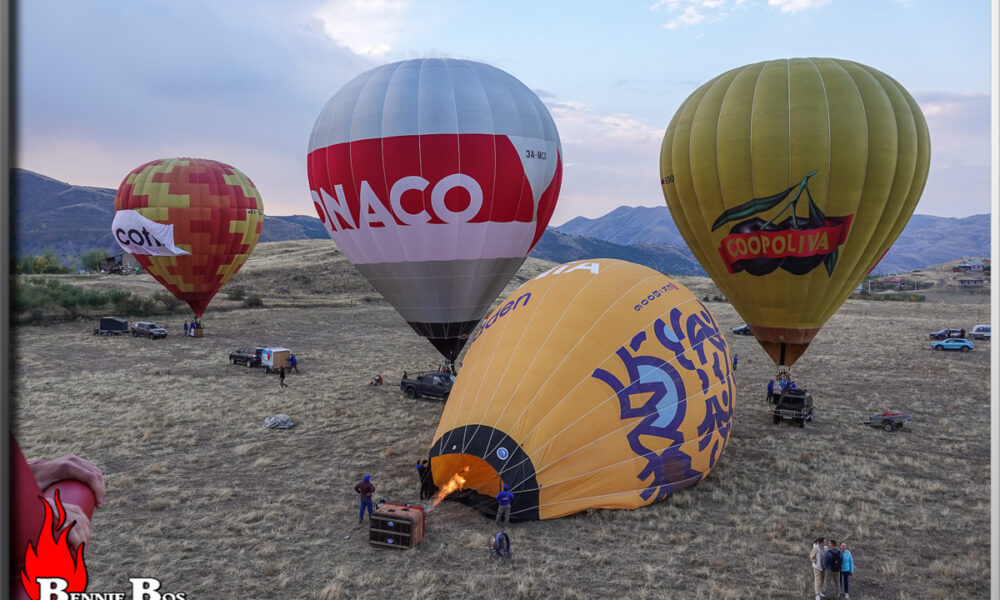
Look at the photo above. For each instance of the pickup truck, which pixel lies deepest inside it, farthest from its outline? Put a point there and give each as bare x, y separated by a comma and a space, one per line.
433, 384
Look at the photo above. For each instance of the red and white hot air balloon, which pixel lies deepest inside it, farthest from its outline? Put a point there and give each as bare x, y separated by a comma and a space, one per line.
436, 177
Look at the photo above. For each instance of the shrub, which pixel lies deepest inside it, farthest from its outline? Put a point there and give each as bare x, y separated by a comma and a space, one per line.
253, 302
169, 301
237, 294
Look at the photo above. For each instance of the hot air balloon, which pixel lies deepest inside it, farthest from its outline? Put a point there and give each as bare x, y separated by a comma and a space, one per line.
435, 177
190, 222
598, 384
789, 180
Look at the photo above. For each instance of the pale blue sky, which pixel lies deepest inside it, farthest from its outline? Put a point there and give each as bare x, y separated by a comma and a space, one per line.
106, 85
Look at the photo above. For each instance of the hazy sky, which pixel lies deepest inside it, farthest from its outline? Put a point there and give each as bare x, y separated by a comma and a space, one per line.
104, 86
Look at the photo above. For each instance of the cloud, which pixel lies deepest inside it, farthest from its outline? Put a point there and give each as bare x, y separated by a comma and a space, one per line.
610, 159
694, 12
242, 84
794, 6
366, 27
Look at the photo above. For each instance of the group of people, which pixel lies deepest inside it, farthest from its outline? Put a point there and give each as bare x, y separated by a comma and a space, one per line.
831, 563
776, 388
189, 329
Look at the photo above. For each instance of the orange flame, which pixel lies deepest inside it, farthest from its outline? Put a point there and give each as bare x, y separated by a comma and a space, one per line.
455, 483
53, 557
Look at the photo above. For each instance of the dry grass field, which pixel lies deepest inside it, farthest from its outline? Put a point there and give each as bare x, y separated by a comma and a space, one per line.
204, 498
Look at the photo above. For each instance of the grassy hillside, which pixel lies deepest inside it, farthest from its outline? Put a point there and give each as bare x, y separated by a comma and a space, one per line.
205, 499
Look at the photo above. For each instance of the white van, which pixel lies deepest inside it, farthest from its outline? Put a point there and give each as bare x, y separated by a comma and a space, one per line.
980, 332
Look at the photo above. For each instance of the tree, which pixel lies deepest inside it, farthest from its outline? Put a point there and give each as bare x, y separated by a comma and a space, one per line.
92, 259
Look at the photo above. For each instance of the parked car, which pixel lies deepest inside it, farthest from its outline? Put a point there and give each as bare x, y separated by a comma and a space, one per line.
111, 326
795, 405
246, 356
742, 330
147, 329
980, 332
433, 384
946, 333
953, 344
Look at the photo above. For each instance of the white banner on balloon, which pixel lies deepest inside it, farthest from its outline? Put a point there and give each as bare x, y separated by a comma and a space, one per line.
138, 235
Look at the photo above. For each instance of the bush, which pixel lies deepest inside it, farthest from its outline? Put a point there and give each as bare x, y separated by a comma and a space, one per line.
92, 259
253, 302
169, 301
237, 294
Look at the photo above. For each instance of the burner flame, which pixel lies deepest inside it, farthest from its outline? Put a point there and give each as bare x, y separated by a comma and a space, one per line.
455, 483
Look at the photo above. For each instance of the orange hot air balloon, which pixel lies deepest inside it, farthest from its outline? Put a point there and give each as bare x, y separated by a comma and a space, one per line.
598, 384
190, 222
789, 180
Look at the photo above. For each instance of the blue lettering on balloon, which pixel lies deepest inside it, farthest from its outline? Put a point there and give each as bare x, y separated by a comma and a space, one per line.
655, 393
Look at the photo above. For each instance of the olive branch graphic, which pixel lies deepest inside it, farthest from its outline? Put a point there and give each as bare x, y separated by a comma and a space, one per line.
759, 205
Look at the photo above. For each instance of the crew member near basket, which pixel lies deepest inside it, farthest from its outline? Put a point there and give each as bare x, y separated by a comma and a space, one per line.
366, 489
504, 499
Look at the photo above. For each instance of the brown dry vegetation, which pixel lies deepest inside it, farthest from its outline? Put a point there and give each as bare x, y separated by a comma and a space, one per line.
205, 499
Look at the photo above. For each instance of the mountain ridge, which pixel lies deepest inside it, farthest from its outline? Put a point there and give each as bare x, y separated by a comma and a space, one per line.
71, 219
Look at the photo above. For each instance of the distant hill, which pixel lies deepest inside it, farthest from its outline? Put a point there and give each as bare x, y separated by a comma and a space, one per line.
560, 247
925, 241
71, 219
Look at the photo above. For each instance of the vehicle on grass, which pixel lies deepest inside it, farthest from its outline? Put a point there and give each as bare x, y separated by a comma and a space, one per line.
147, 329
249, 357
433, 384
111, 326
273, 358
742, 330
980, 332
946, 333
889, 421
961, 344
795, 405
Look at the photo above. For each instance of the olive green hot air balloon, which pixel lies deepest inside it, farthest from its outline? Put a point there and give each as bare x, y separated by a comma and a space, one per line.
789, 180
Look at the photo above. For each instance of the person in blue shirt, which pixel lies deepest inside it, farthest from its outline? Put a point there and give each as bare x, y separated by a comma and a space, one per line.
503, 505
846, 569
770, 390
293, 364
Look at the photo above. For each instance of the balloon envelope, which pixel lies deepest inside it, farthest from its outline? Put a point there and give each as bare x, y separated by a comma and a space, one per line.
435, 177
211, 213
599, 384
789, 180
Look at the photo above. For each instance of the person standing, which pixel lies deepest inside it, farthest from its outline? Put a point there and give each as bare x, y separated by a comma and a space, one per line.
366, 489
846, 569
736, 360
426, 481
185, 328
834, 562
503, 505
770, 390
293, 364
816, 556
281, 378
421, 475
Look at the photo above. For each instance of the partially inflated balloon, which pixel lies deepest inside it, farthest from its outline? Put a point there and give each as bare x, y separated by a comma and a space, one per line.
436, 177
190, 222
600, 384
789, 180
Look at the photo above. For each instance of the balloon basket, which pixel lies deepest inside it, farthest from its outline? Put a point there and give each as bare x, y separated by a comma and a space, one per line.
199, 332
396, 526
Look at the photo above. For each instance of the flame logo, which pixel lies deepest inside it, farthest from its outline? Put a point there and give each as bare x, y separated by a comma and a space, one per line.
53, 556
455, 483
